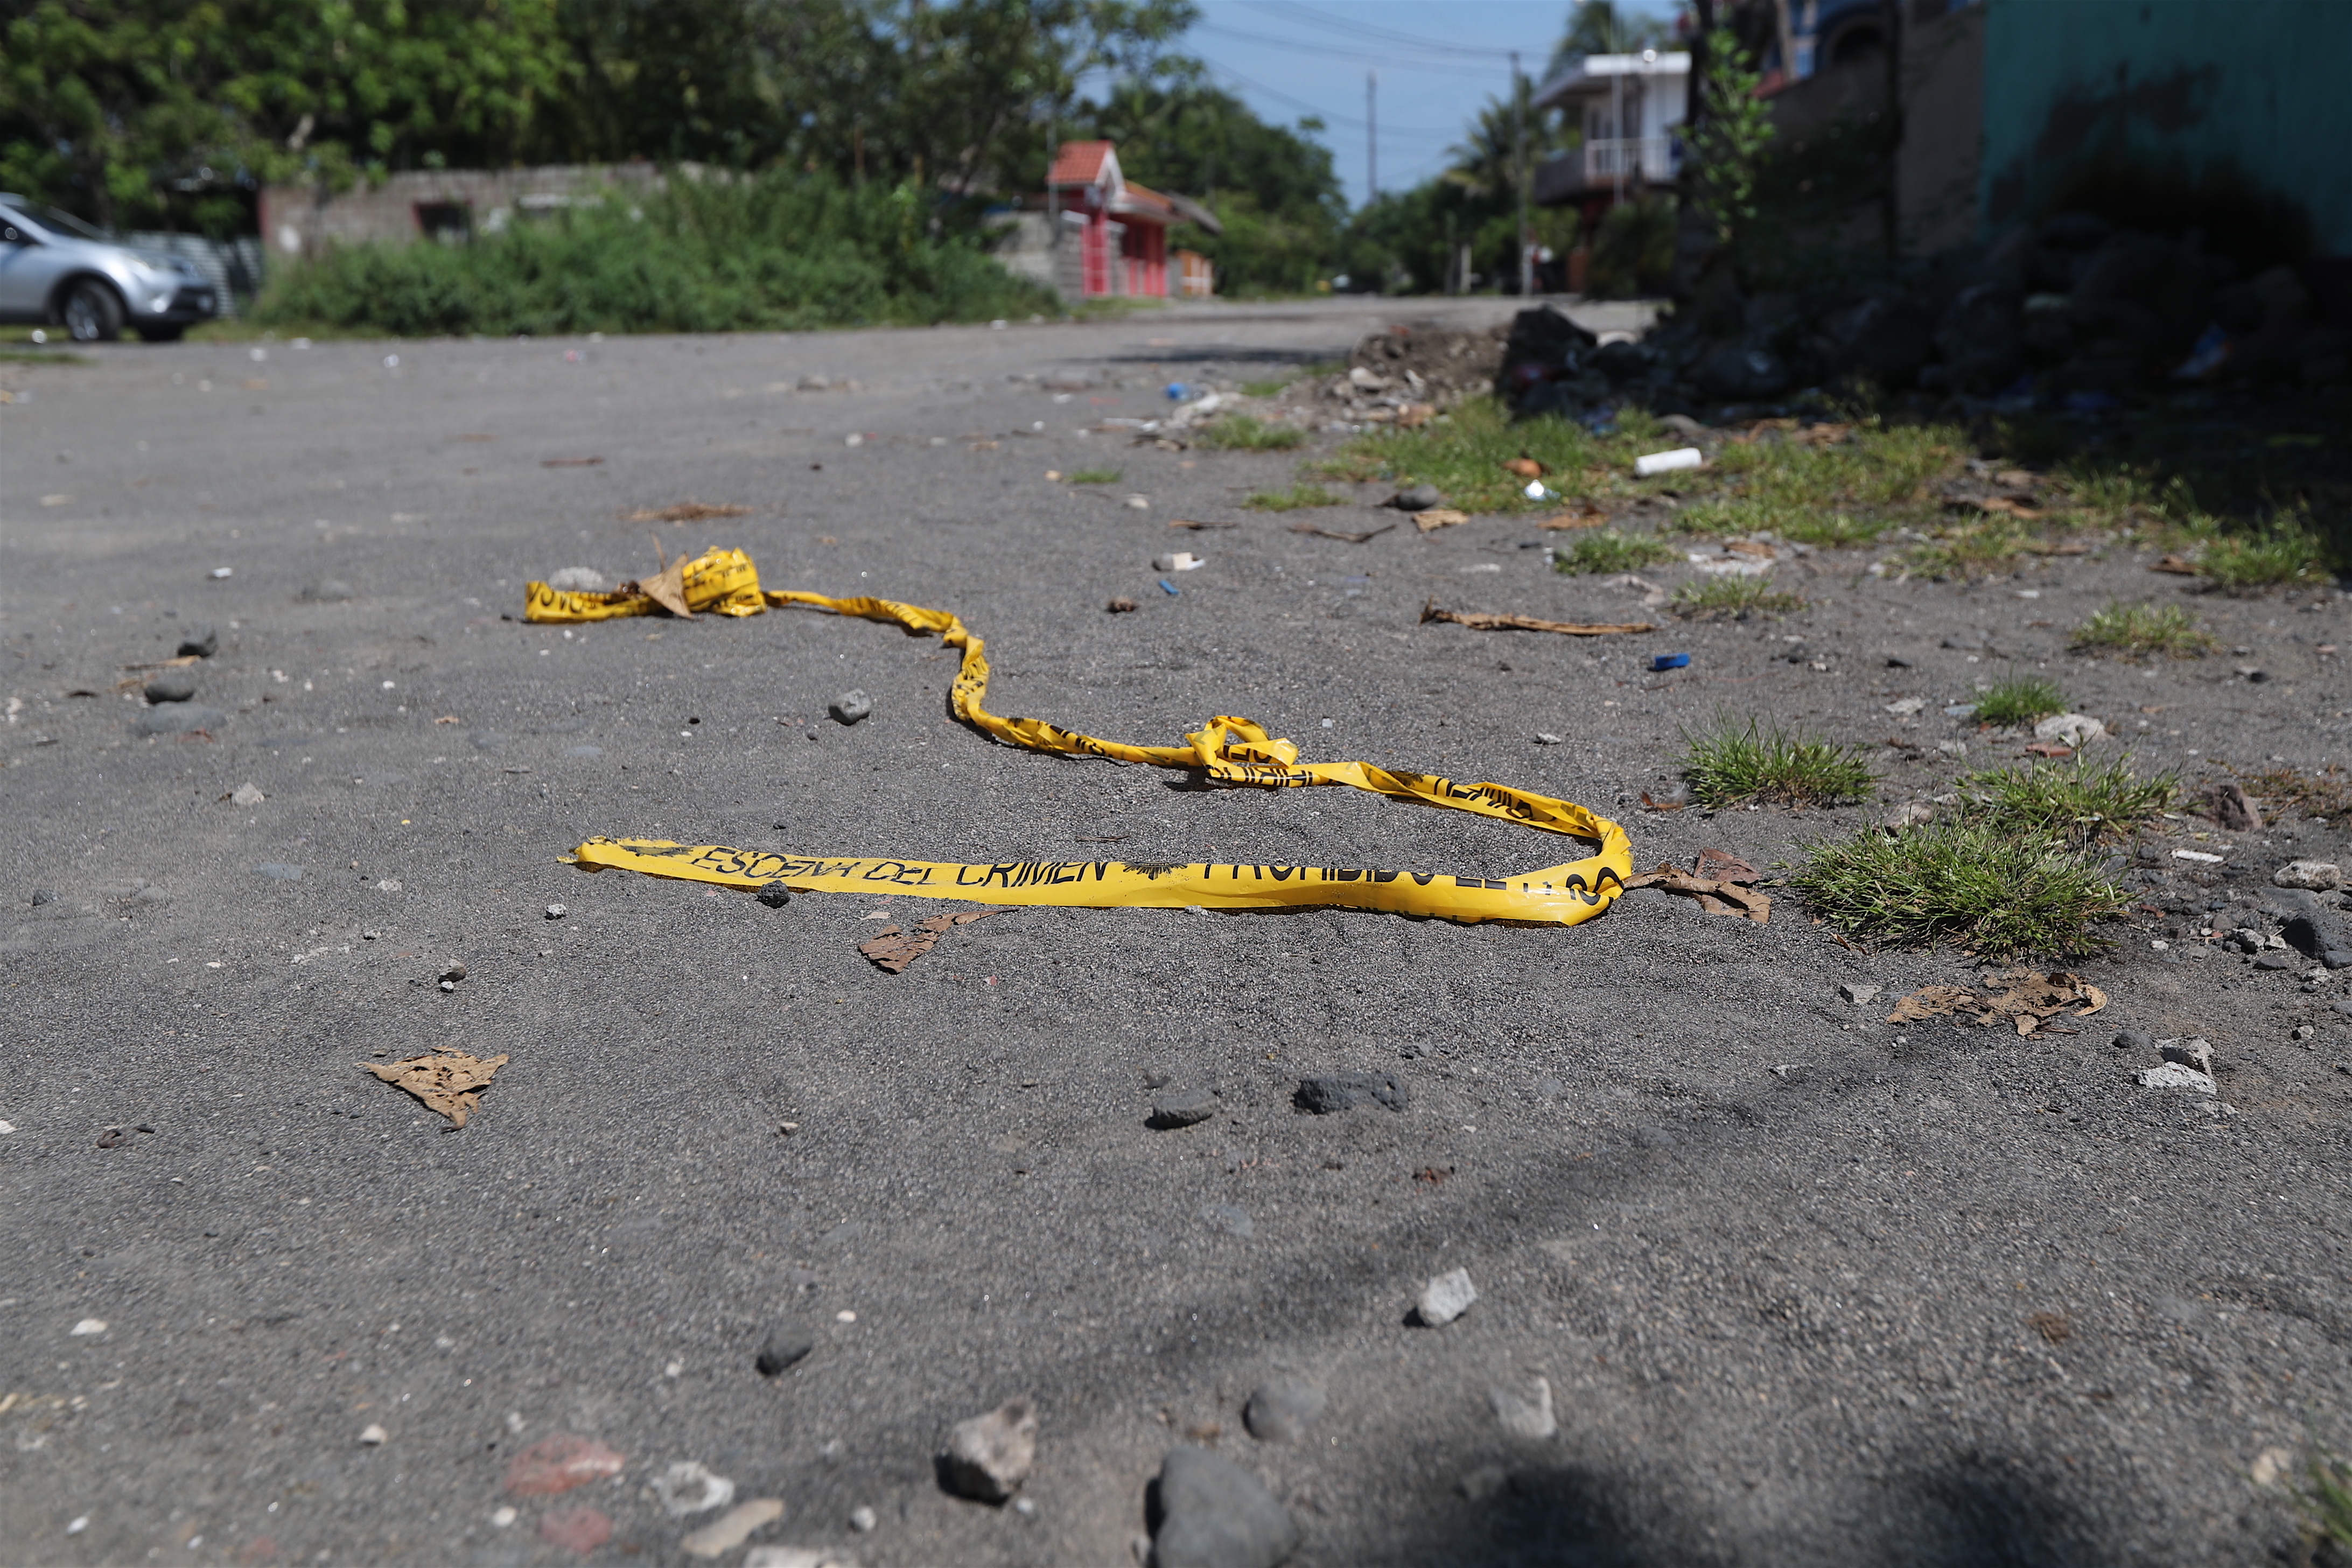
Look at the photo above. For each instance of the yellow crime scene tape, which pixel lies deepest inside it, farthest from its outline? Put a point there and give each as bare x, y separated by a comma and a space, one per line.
1226, 751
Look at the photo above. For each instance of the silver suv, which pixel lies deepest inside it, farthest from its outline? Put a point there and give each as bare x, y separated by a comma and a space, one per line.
56, 270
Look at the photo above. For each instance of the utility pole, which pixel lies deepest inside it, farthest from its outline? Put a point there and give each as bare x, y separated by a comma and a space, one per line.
1052, 204
1371, 136
1519, 162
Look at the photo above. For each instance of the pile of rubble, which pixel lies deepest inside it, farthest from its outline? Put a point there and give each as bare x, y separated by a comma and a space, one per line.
1408, 373
2072, 315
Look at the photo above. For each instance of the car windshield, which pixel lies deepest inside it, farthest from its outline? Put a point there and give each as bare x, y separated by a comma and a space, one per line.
62, 222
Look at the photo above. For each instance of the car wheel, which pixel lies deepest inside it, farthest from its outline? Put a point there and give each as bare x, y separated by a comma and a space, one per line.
93, 313
170, 333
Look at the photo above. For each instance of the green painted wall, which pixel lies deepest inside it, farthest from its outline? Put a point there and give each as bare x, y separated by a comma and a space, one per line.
2263, 84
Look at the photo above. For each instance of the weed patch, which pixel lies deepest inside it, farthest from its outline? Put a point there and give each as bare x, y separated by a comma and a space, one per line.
1990, 891
2326, 793
1738, 597
2014, 703
1095, 477
1297, 498
1733, 765
1463, 455
1241, 433
2285, 552
2153, 630
2073, 805
1607, 550
1971, 549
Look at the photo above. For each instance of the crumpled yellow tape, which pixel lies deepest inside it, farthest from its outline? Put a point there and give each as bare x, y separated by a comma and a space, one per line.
1225, 750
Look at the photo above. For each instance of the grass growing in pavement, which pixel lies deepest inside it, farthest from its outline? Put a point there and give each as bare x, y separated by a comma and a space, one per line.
1096, 475
2073, 805
1971, 549
1295, 498
1800, 525
1463, 455
1241, 433
2012, 703
2285, 552
1990, 890
1738, 597
1730, 764
2324, 1497
1606, 550
2151, 629
1872, 467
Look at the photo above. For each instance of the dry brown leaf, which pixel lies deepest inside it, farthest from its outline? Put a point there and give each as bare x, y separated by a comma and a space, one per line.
1751, 549
1716, 896
2028, 1001
1482, 621
1343, 538
1432, 518
1651, 804
2050, 749
1580, 515
1525, 468
893, 949
666, 588
449, 1082
2177, 565
684, 512
1722, 865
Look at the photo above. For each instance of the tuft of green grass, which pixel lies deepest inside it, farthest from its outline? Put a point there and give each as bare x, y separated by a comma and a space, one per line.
2147, 628
2073, 805
1729, 765
1241, 433
2285, 552
1095, 477
1991, 892
1295, 498
2324, 1498
2011, 703
1606, 550
1738, 597
1971, 549
1463, 456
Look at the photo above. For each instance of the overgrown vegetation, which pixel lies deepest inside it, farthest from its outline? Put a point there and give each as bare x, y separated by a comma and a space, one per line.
2071, 804
2282, 552
1990, 890
1463, 455
2154, 630
1297, 498
784, 251
1242, 433
1734, 764
1712, 598
1606, 550
2018, 702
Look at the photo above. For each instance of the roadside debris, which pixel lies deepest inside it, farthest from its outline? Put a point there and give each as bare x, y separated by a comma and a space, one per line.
448, 1082
1420, 497
733, 1528
775, 895
988, 1457
1445, 1298
1208, 1512
1669, 661
1485, 621
2188, 1064
687, 1488
246, 794
1196, 526
1178, 561
1121, 606
1364, 538
1722, 883
450, 974
1432, 518
1668, 462
559, 1461
892, 950
2028, 999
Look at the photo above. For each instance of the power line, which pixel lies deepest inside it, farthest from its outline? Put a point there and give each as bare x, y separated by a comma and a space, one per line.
1378, 35
1317, 110
1329, 51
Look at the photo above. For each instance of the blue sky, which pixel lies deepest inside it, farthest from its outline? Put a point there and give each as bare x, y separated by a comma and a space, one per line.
1438, 60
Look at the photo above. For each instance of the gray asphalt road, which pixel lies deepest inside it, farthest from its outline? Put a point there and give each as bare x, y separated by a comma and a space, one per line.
1805, 1288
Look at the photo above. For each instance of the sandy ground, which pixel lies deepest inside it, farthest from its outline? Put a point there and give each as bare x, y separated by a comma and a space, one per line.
1778, 1261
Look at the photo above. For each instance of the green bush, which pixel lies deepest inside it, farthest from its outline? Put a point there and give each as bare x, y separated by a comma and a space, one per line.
780, 251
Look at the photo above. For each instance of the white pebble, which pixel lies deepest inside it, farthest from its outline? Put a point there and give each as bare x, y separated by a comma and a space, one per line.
80, 1523
1446, 1298
862, 1520
556, 911
87, 1327
503, 1517
374, 1434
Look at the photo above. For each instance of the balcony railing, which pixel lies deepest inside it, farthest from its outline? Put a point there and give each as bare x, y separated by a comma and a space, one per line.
1654, 159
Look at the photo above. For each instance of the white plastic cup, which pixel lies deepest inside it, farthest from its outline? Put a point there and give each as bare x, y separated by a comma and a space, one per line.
1667, 462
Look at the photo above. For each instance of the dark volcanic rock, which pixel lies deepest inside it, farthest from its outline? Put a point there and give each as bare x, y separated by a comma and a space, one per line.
1209, 1512
1345, 1091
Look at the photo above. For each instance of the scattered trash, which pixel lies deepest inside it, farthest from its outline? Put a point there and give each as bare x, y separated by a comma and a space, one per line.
1667, 462
1722, 883
1445, 1298
1430, 519
1484, 621
2317, 876
1178, 561
1669, 661
1344, 538
1121, 606
1905, 707
804, 1556
988, 1457
220, 572
733, 1528
1525, 1415
892, 950
684, 511
1525, 468
559, 1462
2199, 856
1344, 1091
2029, 1000
1170, 588
578, 580
687, 1488
246, 794
1673, 798
1209, 1512
1136, 503
1545, 738
448, 1082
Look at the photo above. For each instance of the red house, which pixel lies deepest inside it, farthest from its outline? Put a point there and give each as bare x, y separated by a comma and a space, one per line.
1121, 228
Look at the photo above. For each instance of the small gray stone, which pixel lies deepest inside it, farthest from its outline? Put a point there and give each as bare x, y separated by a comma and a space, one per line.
278, 871
1857, 992
178, 719
246, 794
2276, 959
1183, 1108
2318, 875
171, 686
1211, 1513
786, 1346
1420, 498
2172, 1075
850, 707
1283, 1408
990, 1456
556, 911
200, 640
1525, 1413
1233, 1222
1653, 1138
579, 579
1483, 1482
2135, 1040
775, 895
1445, 1298
2195, 1053
1345, 1091
331, 591
44, 895
2337, 958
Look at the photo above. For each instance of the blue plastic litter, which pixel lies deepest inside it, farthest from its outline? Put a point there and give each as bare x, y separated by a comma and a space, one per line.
1172, 589
1177, 391
1669, 660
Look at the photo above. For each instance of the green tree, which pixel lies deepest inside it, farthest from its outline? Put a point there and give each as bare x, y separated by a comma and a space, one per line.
1727, 148
1603, 27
